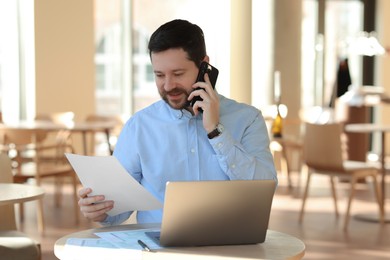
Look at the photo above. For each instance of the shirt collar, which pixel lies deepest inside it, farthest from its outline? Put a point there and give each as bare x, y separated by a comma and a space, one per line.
183, 113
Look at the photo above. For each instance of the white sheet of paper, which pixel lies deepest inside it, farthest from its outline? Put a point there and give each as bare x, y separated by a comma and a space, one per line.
106, 176
90, 242
97, 249
129, 238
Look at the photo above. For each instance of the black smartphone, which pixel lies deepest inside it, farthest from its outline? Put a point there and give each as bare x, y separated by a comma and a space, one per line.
213, 75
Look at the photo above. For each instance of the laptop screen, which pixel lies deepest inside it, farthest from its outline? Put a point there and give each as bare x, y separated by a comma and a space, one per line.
201, 213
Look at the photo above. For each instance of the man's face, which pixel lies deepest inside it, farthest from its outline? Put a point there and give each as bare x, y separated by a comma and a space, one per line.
174, 76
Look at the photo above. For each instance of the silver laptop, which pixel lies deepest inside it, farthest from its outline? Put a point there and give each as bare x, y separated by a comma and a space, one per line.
206, 213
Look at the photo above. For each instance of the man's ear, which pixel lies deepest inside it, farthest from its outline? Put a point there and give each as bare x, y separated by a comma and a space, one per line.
206, 58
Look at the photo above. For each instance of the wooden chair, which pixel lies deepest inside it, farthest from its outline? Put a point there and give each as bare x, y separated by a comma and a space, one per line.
13, 243
62, 137
39, 169
54, 137
113, 134
287, 148
324, 153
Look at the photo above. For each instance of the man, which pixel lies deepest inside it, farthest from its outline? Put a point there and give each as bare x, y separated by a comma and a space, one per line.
172, 141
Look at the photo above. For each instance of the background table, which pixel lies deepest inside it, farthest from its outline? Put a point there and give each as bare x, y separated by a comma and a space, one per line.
276, 246
11, 193
16, 193
77, 127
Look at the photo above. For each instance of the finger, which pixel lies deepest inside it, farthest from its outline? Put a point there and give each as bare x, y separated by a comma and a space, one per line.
83, 193
207, 83
91, 200
199, 86
210, 89
198, 93
93, 211
88, 208
200, 89
207, 79
97, 215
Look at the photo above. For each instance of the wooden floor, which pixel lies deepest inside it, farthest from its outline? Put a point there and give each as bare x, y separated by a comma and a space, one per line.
321, 231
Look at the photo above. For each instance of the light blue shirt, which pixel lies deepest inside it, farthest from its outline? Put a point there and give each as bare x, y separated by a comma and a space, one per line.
160, 144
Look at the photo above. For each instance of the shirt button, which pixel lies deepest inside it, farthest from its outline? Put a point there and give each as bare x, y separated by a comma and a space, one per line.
192, 150
219, 145
233, 166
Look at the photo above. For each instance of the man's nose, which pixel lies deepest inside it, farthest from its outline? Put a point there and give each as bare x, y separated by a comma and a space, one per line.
169, 83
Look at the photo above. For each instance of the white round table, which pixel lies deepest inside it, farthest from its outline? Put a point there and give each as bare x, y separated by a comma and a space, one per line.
277, 245
11, 193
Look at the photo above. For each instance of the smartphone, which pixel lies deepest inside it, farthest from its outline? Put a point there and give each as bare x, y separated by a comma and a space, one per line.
213, 75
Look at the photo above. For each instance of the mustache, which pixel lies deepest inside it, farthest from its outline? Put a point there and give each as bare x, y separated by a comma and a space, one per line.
175, 91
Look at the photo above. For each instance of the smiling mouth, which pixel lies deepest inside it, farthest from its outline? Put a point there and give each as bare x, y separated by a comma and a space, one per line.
176, 98
175, 94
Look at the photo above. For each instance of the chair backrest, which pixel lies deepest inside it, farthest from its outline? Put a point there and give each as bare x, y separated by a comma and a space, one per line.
7, 216
60, 117
19, 136
105, 118
61, 137
22, 140
114, 133
323, 146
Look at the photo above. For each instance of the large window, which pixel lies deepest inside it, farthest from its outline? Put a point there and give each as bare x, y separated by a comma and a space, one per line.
17, 75
343, 24
323, 51
125, 80
108, 56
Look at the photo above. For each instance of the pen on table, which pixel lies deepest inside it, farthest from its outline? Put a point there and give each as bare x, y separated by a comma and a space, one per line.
144, 246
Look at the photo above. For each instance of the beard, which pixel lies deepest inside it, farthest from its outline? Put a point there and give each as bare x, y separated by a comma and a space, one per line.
178, 104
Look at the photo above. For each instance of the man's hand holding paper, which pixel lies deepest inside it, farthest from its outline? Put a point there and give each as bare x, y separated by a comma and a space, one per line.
107, 194
95, 207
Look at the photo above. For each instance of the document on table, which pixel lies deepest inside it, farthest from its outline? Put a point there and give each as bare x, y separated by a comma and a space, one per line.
110, 245
128, 239
106, 176
98, 249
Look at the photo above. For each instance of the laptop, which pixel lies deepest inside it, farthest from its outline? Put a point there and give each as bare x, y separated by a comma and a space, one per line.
208, 213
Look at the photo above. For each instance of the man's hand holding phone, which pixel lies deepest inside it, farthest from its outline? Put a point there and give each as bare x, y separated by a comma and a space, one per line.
204, 98
212, 73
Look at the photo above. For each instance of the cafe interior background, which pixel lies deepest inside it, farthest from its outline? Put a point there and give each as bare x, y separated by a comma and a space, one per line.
90, 56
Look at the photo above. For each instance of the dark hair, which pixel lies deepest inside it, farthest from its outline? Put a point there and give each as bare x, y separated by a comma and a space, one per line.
179, 34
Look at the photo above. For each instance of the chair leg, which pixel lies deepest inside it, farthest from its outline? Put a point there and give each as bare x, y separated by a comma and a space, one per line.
378, 196
351, 195
39, 251
58, 191
334, 195
285, 166
305, 195
300, 166
75, 198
